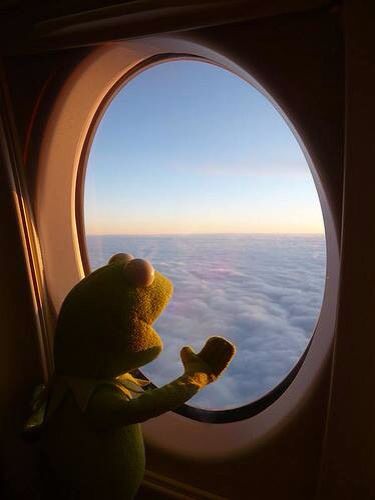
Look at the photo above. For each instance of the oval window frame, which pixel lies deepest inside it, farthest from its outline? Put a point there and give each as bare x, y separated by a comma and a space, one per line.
268, 412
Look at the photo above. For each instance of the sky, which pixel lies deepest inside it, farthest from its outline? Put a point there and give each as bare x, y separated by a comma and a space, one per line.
187, 147
188, 163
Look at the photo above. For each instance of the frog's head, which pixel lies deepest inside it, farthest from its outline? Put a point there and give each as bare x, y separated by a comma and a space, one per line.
104, 327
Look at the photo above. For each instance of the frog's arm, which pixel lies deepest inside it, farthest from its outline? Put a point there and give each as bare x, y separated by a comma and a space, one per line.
108, 409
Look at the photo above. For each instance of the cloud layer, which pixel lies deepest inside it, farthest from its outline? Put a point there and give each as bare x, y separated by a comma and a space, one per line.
263, 292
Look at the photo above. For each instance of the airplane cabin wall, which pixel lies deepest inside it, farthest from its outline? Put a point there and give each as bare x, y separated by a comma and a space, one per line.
348, 463
299, 58
20, 368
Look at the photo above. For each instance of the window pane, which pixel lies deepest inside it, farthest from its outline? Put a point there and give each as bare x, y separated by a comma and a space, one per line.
195, 170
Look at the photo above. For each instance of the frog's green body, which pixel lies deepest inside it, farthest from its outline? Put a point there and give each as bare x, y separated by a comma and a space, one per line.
88, 463
92, 439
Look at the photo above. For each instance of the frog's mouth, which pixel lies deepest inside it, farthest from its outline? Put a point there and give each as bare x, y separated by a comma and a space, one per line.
143, 344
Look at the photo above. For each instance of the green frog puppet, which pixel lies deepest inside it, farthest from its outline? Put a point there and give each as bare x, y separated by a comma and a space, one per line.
91, 437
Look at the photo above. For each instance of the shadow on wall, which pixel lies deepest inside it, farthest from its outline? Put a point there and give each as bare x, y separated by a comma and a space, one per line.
19, 358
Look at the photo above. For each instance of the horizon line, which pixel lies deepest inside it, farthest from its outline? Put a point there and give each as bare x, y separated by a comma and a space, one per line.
211, 234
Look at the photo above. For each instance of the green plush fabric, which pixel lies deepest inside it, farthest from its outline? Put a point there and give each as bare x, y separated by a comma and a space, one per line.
84, 462
104, 315
92, 440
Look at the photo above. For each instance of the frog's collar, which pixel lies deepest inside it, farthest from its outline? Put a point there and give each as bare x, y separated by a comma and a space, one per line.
84, 388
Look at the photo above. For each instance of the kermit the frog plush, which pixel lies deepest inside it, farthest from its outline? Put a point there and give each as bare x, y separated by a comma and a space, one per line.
91, 438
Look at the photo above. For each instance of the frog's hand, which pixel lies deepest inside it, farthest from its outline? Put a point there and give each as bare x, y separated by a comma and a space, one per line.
206, 366
34, 425
109, 409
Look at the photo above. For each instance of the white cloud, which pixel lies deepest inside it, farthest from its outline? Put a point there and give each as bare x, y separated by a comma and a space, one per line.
262, 292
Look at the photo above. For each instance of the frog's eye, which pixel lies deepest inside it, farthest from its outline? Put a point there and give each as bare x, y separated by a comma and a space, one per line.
121, 258
139, 272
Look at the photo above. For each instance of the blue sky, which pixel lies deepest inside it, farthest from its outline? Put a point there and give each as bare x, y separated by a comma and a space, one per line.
187, 147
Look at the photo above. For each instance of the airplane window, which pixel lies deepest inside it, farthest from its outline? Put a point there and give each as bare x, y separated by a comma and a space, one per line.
194, 169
